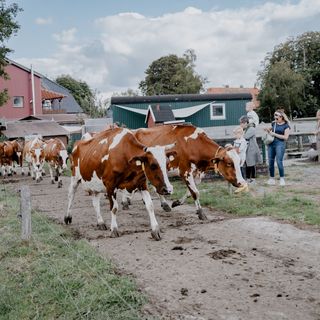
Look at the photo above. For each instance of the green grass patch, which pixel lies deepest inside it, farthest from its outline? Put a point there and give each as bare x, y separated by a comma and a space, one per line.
279, 203
57, 277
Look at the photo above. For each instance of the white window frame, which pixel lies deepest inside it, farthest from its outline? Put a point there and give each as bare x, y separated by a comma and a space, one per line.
21, 102
223, 116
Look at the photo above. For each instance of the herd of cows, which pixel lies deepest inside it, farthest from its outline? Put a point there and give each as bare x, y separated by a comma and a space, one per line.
122, 159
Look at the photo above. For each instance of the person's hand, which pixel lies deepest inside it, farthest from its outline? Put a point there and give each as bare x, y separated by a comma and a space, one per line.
267, 129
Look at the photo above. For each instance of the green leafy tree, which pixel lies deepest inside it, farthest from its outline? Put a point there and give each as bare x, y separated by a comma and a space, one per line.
87, 98
172, 75
283, 88
8, 28
302, 55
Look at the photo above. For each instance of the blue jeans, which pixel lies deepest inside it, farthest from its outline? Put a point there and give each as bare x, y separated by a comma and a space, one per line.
276, 151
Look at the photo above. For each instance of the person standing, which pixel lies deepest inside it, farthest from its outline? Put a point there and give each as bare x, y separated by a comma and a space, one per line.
253, 156
280, 130
240, 144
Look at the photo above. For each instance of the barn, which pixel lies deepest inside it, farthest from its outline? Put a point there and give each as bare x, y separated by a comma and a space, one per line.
202, 110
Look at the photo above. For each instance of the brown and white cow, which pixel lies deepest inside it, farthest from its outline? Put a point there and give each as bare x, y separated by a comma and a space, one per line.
114, 160
33, 153
196, 154
56, 155
6, 158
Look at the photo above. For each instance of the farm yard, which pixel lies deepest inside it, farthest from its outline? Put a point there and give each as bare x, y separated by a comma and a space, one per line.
250, 260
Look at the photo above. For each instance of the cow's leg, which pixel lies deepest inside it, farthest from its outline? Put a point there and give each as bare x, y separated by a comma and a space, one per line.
72, 190
51, 173
113, 209
126, 200
164, 204
188, 178
155, 230
96, 204
59, 174
181, 200
38, 173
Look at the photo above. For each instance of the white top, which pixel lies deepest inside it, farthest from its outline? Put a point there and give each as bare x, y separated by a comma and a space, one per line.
241, 144
253, 117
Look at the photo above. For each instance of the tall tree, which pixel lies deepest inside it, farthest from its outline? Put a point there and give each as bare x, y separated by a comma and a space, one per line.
172, 75
8, 28
303, 57
87, 99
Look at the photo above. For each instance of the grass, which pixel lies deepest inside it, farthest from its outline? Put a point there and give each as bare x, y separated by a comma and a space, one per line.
55, 276
292, 204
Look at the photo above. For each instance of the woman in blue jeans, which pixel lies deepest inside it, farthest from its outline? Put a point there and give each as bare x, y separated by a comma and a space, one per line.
280, 130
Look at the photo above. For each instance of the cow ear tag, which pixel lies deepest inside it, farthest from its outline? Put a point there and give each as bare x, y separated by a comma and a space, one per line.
138, 162
171, 158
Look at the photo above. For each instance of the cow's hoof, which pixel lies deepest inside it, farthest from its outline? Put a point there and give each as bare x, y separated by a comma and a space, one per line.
67, 220
56, 178
125, 206
60, 184
41, 178
165, 207
52, 182
22, 173
102, 226
29, 174
115, 233
156, 234
38, 180
201, 215
43, 173
176, 203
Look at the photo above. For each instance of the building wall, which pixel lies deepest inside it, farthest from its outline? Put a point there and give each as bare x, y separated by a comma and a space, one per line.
234, 110
19, 85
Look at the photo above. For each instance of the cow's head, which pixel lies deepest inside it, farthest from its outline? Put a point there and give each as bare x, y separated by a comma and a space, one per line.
154, 163
63, 157
37, 155
227, 162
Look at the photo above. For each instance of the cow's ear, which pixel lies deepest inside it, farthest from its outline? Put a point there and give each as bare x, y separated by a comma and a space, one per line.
138, 160
171, 155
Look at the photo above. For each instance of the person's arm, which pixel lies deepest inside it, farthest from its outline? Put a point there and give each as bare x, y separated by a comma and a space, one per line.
249, 133
284, 136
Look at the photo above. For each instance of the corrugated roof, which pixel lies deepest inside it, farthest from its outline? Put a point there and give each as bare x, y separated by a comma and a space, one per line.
20, 129
181, 97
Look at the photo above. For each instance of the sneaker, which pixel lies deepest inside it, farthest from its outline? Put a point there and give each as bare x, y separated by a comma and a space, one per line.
282, 182
271, 182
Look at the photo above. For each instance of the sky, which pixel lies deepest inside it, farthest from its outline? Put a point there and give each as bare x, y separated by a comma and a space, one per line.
110, 43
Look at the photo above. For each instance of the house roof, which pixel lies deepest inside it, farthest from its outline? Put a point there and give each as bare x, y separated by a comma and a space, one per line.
64, 118
181, 97
50, 95
160, 113
20, 129
68, 103
20, 66
178, 113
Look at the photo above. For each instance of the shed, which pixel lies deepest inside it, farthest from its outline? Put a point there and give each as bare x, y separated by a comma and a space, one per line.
47, 129
159, 114
202, 110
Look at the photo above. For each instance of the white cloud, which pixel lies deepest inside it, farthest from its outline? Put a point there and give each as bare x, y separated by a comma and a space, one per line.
229, 44
43, 21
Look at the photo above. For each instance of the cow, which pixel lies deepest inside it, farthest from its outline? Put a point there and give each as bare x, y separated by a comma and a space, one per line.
17, 154
10, 153
114, 160
33, 153
56, 155
196, 153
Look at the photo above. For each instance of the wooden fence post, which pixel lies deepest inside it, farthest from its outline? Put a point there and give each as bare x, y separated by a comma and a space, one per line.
318, 144
25, 213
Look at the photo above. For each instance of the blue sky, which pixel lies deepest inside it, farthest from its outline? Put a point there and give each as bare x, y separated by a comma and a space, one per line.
109, 44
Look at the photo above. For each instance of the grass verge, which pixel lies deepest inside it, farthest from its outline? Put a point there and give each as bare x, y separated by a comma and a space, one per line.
295, 204
55, 276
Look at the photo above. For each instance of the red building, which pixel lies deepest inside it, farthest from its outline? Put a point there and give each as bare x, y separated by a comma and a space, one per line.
22, 91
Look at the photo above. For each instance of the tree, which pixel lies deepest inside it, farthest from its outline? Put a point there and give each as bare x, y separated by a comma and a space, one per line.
8, 28
172, 75
303, 58
88, 100
282, 87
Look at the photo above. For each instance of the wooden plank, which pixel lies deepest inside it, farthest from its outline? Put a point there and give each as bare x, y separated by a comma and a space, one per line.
25, 205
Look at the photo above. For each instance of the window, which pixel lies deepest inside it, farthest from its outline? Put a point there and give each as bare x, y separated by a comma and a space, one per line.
217, 111
18, 102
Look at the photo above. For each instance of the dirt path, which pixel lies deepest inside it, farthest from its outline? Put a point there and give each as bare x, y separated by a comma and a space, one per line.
225, 269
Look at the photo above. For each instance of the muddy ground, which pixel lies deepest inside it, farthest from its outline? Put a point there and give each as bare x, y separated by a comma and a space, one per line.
224, 269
